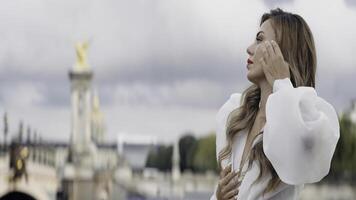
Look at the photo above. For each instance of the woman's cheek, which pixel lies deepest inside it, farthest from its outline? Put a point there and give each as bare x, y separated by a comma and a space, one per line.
258, 53
255, 73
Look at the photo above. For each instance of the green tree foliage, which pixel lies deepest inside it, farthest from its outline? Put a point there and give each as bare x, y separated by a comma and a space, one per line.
6, 128
344, 160
187, 146
160, 158
197, 155
205, 157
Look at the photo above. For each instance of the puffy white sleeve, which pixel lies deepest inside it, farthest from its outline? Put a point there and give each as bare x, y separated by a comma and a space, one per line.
221, 120
300, 134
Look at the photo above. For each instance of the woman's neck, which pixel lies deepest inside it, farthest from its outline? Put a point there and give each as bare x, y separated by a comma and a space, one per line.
266, 90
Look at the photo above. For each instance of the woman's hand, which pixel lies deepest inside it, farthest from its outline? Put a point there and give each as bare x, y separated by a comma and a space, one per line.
273, 63
228, 185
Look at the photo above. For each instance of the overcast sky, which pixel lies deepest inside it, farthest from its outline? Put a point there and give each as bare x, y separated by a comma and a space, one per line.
162, 67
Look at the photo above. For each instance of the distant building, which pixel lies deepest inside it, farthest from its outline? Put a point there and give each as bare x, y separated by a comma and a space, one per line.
135, 149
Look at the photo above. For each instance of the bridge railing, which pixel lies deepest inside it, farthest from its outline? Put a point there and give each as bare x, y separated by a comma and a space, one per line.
37, 153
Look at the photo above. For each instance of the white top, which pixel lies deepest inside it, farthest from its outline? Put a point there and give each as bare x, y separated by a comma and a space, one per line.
299, 139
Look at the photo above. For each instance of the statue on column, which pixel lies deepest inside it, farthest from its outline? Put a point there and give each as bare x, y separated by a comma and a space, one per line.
81, 50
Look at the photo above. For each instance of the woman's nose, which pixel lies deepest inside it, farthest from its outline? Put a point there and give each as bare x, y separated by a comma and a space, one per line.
249, 52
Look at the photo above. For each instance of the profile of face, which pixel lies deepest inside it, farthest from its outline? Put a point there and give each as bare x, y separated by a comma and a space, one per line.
255, 72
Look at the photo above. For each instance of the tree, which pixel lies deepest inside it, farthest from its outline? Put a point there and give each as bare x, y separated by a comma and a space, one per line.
20, 131
35, 137
205, 156
344, 161
6, 129
187, 145
160, 158
195, 154
28, 138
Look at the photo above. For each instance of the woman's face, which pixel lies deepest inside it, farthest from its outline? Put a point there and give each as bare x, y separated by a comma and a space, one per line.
255, 72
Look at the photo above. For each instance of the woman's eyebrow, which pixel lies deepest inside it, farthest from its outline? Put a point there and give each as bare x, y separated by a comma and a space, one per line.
259, 33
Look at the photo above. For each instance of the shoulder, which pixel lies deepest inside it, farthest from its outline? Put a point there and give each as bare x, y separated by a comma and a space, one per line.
221, 119
232, 102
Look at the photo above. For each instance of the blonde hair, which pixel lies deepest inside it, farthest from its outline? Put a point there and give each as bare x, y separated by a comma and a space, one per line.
296, 42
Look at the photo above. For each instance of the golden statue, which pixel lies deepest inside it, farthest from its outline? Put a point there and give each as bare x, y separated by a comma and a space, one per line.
81, 50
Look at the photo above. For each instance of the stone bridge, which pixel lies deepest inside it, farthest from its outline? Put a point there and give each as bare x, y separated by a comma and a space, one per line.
41, 182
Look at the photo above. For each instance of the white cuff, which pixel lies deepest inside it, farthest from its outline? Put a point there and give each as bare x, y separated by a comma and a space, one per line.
281, 83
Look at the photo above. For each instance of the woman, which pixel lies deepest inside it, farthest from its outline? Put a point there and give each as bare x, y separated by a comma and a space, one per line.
278, 134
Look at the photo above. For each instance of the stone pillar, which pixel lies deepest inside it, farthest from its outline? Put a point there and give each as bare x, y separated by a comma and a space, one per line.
81, 112
175, 164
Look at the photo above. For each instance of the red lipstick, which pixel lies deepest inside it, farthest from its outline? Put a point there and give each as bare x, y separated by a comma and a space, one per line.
249, 61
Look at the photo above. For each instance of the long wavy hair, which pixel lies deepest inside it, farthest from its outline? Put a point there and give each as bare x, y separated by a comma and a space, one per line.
296, 42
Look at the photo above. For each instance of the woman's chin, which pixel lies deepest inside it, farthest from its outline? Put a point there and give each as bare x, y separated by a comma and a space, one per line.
253, 76
250, 76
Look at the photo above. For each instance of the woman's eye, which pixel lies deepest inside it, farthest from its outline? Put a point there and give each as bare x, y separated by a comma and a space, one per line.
259, 39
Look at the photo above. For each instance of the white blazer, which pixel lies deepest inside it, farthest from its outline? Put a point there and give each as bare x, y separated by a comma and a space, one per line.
299, 139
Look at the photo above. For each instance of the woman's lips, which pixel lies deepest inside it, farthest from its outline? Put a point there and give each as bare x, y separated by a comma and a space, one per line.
248, 63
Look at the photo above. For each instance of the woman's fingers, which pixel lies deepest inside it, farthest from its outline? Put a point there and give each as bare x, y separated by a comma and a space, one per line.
225, 171
267, 70
263, 63
231, 194
264, 51
228, 178
276, 48
231, 185
269, 49
228, 184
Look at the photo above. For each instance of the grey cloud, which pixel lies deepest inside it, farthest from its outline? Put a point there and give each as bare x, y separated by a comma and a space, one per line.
55, 88
144, 52
351, 3
338, 88
275, 3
